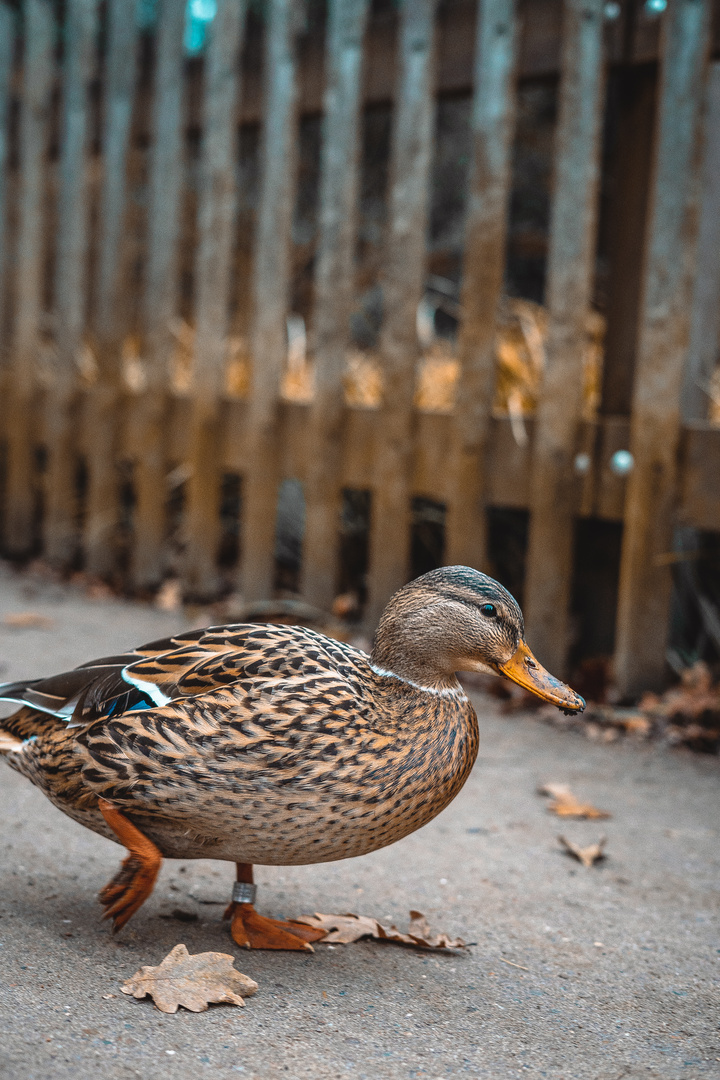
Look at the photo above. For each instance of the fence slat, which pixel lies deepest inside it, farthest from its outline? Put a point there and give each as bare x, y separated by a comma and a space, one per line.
704, 345
334, 281
38, 76
645, 577
492, 128
160, 295
216, 217
7, 48
403, 285
103, 414
121, 69
271, 282
569, 288
60, 524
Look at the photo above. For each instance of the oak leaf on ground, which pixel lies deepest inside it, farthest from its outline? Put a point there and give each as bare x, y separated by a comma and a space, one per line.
566, 804
587, 855
344, 929
193, 981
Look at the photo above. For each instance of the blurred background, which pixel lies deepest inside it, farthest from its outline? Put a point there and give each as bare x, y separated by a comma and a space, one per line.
300, 299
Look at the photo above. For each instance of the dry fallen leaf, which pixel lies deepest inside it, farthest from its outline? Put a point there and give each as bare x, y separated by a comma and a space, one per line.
191, 981
344, 929
28, 620
586, 855
566, 804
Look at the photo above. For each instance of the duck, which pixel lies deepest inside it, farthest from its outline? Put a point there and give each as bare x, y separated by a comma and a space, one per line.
273, 744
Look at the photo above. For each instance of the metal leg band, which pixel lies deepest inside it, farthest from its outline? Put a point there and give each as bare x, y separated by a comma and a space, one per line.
244, 893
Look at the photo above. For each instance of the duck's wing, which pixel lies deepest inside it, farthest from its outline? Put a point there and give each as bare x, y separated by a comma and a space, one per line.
251, 722
186, 665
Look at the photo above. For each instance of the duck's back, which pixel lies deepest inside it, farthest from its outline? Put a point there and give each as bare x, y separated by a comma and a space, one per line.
264, 744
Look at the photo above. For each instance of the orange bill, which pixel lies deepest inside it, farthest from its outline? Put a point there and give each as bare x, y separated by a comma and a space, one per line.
522, 668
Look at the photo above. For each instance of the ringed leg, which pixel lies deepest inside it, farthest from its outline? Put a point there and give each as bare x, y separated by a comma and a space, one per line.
253, 931
134, 881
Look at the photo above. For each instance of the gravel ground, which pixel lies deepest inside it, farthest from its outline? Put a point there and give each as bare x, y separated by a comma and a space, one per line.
600, 974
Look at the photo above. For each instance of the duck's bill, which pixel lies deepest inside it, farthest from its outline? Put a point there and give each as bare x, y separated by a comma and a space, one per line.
522, 668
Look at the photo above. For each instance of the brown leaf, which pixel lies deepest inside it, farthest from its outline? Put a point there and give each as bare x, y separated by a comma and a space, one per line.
566, 804
344, 929
28, 620
191, 981
587, 855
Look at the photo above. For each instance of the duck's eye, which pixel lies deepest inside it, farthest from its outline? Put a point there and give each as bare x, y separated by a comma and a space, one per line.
489, 610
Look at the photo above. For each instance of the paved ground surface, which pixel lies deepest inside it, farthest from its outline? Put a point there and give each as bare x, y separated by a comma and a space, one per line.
601, 974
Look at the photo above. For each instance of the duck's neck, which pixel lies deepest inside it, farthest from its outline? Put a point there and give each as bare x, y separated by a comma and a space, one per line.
410, 654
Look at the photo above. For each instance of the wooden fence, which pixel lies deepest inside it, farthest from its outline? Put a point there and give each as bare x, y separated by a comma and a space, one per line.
121, 184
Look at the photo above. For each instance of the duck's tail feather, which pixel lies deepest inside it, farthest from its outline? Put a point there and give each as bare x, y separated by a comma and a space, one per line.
39, 695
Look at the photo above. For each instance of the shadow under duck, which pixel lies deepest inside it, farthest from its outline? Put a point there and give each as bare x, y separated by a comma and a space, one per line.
273, 744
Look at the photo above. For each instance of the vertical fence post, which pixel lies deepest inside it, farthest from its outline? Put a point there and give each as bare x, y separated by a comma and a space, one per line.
70, 279
271, 284
569, 289
334, 281
403, 283
160, 295
705, 318
493, 114
7, 48
38, 77
216, 217
645, 573
104, 408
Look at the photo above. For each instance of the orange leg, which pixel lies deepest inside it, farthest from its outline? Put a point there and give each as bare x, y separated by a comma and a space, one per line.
134, 881
253, 931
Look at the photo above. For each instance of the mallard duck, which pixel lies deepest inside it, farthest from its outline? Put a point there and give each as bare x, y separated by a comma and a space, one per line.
272, 744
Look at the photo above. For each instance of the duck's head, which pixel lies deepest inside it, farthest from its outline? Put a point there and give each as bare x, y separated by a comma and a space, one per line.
457, 619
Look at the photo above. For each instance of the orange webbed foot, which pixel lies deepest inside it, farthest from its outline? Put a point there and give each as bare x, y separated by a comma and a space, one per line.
253, 931
134, 881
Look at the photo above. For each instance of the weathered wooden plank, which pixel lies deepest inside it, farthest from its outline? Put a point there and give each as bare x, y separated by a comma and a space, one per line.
704, 347
216, 217
270, 297
645, 578
508, 469
104, 405
485, 232
569, 287
110, 315
7, 49
334, 280
38, 76
403, 282
71, 261
630, 168
160, 294
700, 490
